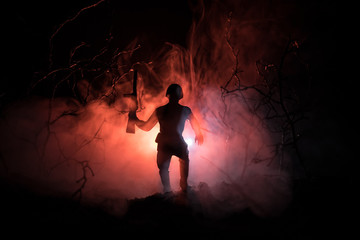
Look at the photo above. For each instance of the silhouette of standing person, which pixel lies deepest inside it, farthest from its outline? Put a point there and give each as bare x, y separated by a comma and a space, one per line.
171, 118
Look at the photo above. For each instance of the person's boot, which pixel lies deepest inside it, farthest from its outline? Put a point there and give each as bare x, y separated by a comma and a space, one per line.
184, 172
183, 185
165, 180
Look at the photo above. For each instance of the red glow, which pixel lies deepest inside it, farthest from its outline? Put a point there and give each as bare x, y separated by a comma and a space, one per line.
124, 164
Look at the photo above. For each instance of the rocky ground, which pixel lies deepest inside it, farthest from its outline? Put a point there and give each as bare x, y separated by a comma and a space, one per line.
320, 207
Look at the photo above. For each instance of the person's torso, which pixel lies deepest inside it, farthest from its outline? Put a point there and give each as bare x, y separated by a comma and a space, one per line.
172, 119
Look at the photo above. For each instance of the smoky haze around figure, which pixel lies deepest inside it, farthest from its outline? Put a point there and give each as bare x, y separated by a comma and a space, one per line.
71, 127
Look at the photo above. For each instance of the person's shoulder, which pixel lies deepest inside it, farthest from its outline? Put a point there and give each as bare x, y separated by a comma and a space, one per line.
160, 109
187, 109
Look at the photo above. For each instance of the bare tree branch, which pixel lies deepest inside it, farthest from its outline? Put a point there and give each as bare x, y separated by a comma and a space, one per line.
272, 106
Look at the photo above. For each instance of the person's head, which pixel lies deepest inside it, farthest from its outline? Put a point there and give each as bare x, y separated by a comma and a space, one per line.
174, 92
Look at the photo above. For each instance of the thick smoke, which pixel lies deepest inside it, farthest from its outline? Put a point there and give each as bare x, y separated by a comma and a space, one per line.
64, 147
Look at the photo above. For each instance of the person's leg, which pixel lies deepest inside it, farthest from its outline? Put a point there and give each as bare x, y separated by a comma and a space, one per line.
163, 163
184, 173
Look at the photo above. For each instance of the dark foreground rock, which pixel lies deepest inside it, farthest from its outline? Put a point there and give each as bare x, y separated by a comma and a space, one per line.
319, 208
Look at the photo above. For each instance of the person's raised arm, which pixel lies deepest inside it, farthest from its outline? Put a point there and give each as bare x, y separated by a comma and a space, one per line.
145, 125
196, 127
